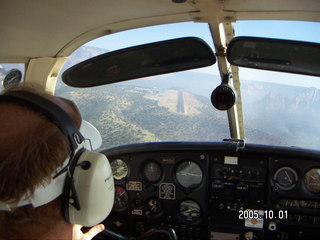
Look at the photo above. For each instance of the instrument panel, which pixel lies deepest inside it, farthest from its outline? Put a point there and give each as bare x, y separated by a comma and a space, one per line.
216, 191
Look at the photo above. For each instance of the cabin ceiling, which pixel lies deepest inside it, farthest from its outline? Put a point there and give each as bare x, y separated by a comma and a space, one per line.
46, 28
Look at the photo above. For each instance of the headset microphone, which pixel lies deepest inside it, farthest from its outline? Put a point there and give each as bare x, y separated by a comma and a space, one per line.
85, 180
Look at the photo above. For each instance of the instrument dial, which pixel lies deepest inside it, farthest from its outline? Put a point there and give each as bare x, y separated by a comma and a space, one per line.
312, 180
118, 223
119, 169
120, 198
14, 76
285, 178
154, 206
152, 171
189, 174
189, 210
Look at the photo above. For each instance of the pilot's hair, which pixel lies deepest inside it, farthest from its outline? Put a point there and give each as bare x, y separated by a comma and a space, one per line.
28, 162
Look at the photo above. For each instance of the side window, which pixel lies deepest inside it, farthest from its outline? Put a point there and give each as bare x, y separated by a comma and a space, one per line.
280, 108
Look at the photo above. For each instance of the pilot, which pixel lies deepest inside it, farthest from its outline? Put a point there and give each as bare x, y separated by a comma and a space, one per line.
31, 149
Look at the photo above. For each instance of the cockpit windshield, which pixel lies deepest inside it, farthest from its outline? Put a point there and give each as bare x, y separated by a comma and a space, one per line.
170, 107
280, 108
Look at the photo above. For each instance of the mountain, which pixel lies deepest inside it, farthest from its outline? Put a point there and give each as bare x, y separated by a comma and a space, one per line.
287, 112
273, 113
129, 114
81, 54
195, 82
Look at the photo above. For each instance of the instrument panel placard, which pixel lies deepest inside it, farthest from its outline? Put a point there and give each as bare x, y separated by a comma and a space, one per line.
134, 186
167, 191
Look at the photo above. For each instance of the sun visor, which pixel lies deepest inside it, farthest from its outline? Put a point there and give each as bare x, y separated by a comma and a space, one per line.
92, 136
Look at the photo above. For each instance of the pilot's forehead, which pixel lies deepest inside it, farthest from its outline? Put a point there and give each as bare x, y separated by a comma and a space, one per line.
66, 104
71, 104
71, 108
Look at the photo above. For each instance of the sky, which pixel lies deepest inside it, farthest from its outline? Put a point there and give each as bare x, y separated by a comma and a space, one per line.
304, 31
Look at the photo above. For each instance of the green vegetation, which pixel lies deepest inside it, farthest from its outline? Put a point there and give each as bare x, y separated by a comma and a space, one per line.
123, 114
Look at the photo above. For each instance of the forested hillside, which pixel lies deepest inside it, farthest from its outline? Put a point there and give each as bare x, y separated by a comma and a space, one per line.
127, 114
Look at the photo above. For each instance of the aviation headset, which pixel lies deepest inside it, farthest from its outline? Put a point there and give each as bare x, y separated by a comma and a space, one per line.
85, 180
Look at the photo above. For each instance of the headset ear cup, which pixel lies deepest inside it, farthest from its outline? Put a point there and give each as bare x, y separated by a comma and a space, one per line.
66, 199
94, 186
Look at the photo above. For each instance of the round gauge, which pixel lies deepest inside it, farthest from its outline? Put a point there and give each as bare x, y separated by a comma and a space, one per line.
120, 198
14, 76
285, 178
118, 223
154, 206
119, 169
312, 180
189, 174
189, 210
152, 171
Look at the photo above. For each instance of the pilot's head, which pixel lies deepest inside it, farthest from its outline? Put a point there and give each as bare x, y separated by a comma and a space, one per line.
44, 165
